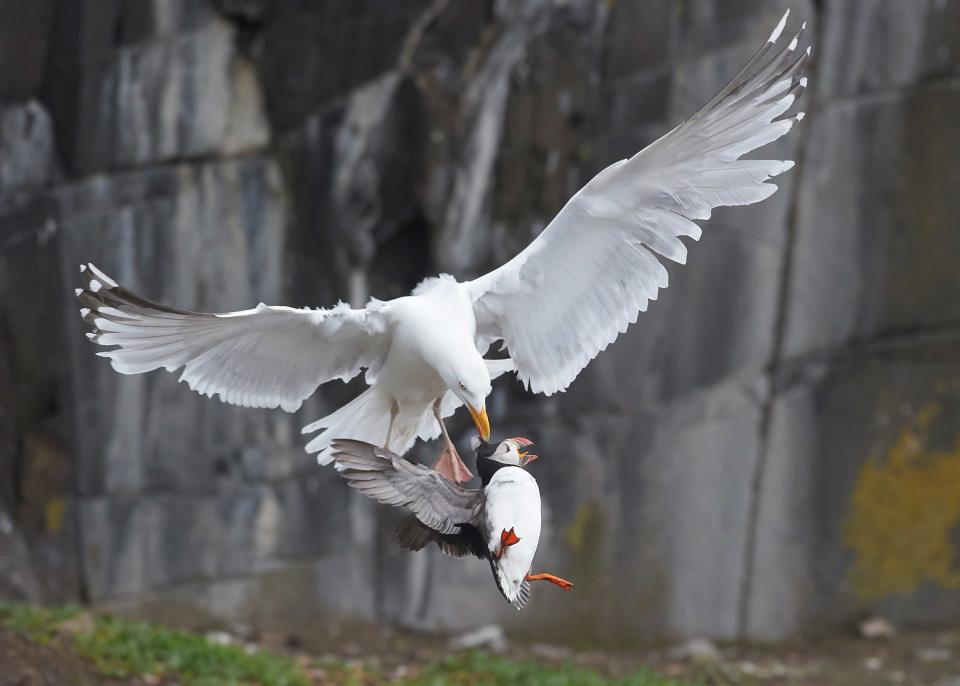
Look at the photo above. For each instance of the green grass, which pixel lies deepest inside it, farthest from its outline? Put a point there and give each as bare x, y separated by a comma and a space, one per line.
39, 624
482, 669
124, 649
344, 674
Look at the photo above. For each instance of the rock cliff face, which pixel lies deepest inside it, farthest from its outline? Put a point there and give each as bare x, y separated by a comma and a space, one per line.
772, 448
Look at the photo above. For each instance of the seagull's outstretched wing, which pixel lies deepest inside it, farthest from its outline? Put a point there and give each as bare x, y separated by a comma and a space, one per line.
386, 477
586, 277
264, 357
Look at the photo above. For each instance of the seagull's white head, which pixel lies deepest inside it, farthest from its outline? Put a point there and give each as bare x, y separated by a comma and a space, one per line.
467, 376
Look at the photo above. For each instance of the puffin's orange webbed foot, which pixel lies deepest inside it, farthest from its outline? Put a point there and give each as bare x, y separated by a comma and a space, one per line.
507, 539
562, 583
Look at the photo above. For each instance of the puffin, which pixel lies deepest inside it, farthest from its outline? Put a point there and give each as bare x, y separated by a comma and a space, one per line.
498, 522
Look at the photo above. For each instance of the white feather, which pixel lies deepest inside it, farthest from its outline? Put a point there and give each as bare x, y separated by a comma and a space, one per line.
513, 502
100, 275
779, 29
586, 277
263, 357
365, 418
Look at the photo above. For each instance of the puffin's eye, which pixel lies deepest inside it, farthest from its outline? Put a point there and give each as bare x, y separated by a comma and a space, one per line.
462, 387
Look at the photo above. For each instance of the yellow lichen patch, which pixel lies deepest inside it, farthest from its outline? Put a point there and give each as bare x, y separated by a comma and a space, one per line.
584, 535
54, 511
904, 514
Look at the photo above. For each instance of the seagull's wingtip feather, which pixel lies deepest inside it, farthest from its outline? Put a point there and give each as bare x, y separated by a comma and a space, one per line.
780, 26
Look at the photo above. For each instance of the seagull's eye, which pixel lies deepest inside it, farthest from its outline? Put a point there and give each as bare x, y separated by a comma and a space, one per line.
462, 387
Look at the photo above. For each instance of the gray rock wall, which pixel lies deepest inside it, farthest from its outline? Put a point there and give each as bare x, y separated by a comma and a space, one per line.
770, 450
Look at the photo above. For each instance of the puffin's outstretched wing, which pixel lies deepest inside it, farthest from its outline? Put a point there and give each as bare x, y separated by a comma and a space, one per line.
586, 277
412, 534
387, 478
264, 357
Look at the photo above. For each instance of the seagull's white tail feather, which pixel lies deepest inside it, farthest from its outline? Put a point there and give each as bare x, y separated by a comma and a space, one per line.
366, 418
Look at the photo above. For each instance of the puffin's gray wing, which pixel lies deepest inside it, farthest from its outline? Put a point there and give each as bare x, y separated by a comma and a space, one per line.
387, 478
414, 535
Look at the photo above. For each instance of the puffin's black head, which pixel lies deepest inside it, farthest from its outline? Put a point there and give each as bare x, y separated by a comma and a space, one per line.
482, 448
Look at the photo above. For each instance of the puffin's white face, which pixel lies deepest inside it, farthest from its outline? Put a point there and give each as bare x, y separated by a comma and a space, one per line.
469, 379
510, 451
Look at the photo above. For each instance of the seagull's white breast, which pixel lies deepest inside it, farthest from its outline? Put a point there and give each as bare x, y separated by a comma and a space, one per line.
435, 323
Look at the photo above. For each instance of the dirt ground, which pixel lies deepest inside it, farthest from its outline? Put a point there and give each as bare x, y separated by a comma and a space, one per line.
911, 659
23, 663
918, 659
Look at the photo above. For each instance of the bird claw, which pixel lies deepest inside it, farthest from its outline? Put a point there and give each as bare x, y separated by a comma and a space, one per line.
451, 467
507, 539
556, 580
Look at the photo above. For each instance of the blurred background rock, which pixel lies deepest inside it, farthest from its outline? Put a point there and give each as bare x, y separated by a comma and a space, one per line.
773, 449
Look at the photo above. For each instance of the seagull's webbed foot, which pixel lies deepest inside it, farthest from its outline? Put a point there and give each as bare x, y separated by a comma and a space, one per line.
449, 465
562, 583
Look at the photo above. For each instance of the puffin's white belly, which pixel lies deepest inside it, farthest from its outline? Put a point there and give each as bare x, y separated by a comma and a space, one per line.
513, 501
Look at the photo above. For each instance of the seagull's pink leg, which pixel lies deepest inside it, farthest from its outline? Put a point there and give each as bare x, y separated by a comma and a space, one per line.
449, 464
394, 411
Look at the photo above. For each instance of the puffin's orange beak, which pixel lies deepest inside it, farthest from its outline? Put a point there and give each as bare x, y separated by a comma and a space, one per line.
525, 457
481, 420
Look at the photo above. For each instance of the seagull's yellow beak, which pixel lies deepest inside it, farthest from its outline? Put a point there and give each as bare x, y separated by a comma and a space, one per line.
480, 419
